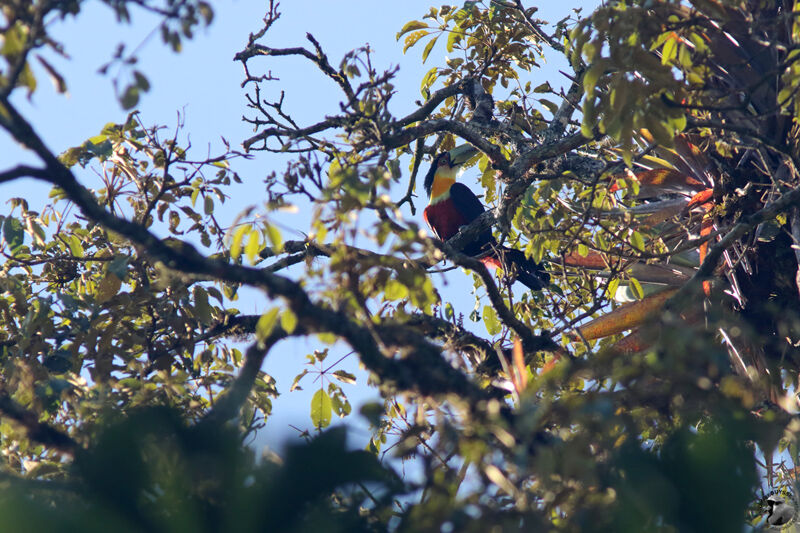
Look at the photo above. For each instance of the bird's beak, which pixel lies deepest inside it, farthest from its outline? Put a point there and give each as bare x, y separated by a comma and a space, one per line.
461, 154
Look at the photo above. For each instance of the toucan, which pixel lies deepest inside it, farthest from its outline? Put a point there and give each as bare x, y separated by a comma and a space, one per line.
453, 205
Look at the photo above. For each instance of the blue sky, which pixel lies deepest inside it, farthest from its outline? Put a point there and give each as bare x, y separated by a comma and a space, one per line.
203, 83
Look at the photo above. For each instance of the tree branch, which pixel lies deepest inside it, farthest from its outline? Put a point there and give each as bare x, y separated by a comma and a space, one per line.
37, 431
229, 404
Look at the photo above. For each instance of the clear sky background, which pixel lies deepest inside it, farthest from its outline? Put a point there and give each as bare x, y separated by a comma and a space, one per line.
203, 83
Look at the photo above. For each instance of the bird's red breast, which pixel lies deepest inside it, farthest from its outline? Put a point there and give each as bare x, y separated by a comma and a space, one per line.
444, 218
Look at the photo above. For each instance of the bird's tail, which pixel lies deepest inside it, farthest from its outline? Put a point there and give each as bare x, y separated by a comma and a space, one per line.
528, 272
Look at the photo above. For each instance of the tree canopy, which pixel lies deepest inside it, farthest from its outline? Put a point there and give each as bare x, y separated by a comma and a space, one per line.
651, 385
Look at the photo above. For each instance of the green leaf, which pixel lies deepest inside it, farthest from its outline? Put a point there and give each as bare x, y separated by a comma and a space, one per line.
141, 81
327, 338
427, 81
275, 238
412, 39
13, 233
345, 377
288, 321
549, 105
321, 409
670, 49
613, 285
208, 204
493, 325
107, 288
201, 307
27, 79
341, 405
130, 97
428, 47
266, 323
296, 382
75, 247
638, 291
38, 232
395, 290
591, 77
253, 245
14, 39
411, 26
637, 241
236, 245
453, 38
119, 266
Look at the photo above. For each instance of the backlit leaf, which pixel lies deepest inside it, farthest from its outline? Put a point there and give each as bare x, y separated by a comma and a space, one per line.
411, 26
321, 409
493, 325
266, 323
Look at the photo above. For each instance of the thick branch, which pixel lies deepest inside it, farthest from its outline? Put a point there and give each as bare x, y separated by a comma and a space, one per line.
465, 131
37, 431
229, 404
22, 171
547, 151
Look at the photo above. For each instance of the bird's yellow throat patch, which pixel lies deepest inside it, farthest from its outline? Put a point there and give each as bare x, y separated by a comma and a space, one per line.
441, 188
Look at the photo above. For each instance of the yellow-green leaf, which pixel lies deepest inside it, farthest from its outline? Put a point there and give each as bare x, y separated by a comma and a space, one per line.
107, 288
395, 290
413, 38
638, 291
637, 241
493, 325
275, 238
266, 323
428, 47
670, 49
321, 409
345, 377
253, 245
238, 236
75, 247
411, 26
201, 307
288, 321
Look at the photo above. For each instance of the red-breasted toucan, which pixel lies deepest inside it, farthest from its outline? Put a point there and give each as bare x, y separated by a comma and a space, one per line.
452, 205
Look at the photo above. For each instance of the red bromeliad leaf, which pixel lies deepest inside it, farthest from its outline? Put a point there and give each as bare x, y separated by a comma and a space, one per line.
640, 339
593, 260
647, 273
660, 181
701, 199
632, 343
626, 316
685, 156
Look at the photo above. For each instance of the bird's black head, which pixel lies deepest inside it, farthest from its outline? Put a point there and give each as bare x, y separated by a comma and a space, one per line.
442, 159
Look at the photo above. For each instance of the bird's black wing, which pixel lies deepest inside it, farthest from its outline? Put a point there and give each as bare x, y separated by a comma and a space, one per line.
470, 208
466, 202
